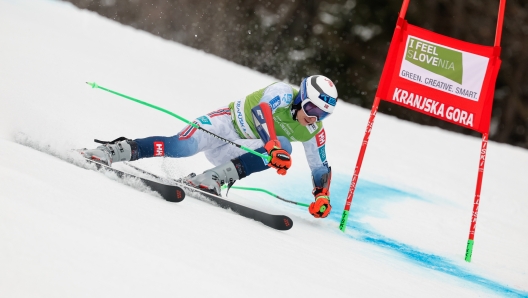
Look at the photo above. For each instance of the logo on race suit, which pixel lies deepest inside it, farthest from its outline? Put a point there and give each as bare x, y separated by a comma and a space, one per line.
322, 153
275, 102
241, 118
312, 127
204, 120
287, 98
260, 115
321, 138
159, 149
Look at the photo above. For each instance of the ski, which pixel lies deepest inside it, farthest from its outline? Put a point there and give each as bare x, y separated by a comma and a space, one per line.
169, 192
278, 222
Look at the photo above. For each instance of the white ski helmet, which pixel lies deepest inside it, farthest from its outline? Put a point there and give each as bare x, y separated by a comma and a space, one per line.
318, 96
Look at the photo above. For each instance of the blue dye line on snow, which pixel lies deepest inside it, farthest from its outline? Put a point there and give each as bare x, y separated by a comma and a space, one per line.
439, 264
368, 198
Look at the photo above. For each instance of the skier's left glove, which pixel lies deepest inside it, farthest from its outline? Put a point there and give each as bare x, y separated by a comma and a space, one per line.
321, 207
280, 158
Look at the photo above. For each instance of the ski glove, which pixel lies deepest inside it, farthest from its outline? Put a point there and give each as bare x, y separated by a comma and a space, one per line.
280, 158
321, 207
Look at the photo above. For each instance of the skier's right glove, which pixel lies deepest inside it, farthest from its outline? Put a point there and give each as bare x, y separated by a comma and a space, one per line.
280, 158
321, 207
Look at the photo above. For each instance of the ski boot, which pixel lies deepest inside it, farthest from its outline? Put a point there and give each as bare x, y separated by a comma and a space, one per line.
121, 149
212, 180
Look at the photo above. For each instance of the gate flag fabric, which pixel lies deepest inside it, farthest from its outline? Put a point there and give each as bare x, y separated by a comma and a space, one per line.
440, 76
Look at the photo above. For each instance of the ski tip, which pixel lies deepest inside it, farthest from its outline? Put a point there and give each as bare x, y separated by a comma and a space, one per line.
92, 84
177, 195
285, 223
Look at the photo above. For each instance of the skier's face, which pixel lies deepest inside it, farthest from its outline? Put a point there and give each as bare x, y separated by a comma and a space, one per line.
304, 119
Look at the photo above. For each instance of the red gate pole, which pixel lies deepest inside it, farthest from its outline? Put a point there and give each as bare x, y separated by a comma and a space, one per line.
403, 9
482, 161
344, 217
483, 150
500, 19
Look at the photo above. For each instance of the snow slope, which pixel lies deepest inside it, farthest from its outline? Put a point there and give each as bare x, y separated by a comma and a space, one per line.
70, 232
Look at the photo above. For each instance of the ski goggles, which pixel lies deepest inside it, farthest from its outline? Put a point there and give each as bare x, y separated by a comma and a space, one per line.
311, 110
308, 105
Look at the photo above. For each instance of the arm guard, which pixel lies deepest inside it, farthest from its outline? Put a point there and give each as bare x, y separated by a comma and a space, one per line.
263, 119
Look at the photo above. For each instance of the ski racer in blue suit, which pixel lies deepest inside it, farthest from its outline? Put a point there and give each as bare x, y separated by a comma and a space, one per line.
267, 121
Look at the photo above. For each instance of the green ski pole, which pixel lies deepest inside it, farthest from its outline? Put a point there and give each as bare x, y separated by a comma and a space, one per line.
225, 186
264, 156
268, 192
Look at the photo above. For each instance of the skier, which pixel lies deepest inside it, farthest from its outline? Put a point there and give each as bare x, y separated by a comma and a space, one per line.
266, 121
